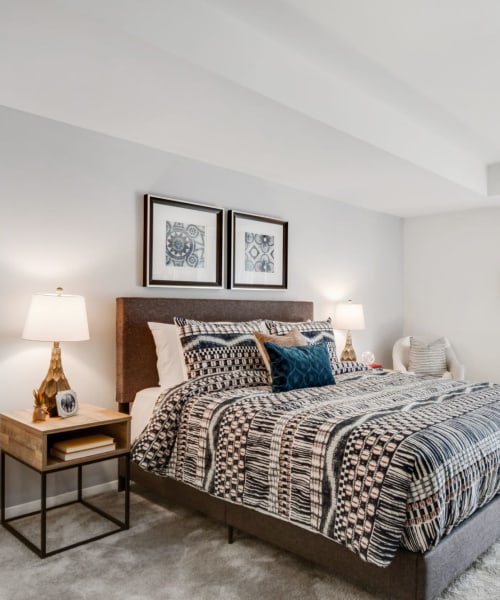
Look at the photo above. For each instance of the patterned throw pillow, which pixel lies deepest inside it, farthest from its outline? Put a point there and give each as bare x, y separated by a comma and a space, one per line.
427, 359
299, 366
316, 332
348, 366
218, 347
292, 338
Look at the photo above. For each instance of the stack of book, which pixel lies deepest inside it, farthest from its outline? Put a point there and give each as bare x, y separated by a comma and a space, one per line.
82, 446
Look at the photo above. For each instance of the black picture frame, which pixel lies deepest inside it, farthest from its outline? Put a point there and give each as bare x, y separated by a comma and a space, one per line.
258, 252
183, 243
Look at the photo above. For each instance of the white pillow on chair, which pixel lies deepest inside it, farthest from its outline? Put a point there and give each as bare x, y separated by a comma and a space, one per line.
427, 359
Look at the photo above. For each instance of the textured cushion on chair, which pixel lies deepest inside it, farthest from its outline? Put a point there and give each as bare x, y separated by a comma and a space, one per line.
427, 359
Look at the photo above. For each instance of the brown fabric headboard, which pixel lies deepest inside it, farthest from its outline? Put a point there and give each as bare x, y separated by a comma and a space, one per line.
135, 349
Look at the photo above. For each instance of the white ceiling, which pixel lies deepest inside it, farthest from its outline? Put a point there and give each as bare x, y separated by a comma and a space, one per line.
388, 104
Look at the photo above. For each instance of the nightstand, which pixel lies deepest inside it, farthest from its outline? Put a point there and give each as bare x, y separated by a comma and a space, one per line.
30, 443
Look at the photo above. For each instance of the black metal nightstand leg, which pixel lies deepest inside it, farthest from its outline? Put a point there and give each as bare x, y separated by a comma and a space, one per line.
80, 481
127, 492
2, 486
43, 516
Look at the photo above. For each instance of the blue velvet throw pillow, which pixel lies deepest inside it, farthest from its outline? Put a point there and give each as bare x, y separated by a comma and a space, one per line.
294, 367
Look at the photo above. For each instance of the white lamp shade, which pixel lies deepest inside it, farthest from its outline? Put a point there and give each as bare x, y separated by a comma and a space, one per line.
349, 316
56, 318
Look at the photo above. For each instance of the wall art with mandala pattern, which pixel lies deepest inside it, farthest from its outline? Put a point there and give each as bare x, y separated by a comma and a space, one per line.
183, 243
258, 252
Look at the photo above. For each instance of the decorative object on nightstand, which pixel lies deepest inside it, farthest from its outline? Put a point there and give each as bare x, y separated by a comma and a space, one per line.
367, 357
40, 412
55, 318
67, 403
350, 317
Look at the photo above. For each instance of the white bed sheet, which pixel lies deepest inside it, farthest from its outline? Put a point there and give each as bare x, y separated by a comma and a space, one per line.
142, 409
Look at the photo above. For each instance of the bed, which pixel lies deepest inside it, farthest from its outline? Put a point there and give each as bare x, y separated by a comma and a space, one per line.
409, 575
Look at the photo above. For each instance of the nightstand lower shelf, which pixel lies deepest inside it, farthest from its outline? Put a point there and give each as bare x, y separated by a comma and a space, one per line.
41, 550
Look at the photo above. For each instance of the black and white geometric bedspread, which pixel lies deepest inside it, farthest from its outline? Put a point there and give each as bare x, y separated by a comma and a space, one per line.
374, 462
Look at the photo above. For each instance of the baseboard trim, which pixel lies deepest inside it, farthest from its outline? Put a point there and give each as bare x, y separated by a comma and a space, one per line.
22, 509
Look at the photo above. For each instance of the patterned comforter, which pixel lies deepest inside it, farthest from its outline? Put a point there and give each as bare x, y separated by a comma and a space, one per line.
373, 462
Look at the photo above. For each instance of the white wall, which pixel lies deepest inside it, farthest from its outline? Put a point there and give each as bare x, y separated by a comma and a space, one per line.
71, 215
452, 285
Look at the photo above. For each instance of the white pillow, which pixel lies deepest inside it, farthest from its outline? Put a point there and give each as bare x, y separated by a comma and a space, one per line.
170, 363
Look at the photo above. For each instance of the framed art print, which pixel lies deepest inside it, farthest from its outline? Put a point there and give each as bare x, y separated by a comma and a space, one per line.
258, 250
183, 243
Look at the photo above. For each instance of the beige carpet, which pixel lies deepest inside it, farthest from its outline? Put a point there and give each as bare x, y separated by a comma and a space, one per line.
172, 553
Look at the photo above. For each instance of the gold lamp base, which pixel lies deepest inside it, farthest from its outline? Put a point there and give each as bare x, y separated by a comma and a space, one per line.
348, 353
55, 381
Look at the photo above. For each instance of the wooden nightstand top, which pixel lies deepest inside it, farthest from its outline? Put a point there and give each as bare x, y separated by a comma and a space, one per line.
88, 414
30, 442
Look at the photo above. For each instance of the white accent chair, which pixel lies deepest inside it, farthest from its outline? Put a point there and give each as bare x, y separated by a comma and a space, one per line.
401, 359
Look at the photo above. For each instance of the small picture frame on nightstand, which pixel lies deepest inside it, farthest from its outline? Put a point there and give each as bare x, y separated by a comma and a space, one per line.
67, 403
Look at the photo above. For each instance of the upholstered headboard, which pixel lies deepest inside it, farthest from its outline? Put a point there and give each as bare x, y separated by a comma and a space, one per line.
135, 349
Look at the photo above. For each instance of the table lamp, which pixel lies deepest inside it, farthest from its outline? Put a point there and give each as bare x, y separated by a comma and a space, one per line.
350, 317
55, 318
